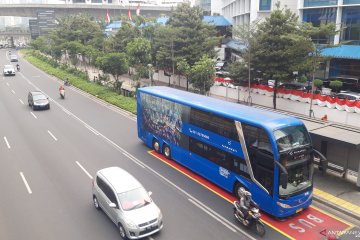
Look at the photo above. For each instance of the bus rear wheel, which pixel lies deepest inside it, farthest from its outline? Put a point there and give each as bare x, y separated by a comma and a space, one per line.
167, 151
156, 145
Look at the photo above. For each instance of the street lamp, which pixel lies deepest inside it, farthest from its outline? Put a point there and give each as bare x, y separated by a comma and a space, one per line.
151, 72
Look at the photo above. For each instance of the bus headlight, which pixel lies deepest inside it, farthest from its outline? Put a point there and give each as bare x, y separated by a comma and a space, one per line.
283, 205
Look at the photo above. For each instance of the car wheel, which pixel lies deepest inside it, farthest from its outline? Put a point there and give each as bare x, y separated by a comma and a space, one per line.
96, 203
156, 145
167, 151
122, 232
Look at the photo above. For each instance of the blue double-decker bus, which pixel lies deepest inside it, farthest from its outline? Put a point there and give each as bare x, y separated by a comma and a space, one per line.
231, 145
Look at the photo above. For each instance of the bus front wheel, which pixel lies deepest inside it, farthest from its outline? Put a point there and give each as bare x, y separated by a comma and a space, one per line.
156, 145
167, 151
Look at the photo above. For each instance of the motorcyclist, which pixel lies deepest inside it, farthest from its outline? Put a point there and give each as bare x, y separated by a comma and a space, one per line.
245, 202
18, 67
62, 90
66, 82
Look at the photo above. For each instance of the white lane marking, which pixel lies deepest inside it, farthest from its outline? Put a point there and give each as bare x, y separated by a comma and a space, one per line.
82, 168
8, 84
211, 214
26, 183
33, 115
52, 135
21, 101
13, 91
91, 129
7, 143
66, 111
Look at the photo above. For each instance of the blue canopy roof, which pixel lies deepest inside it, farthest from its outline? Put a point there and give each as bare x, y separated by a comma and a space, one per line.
235, 45
114, 24
343, 51
218, 21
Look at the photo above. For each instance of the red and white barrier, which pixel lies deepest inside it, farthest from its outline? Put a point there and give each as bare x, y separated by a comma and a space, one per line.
318, 99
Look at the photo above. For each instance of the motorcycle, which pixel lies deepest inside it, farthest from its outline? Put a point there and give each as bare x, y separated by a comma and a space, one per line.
62, 93
18, 68
253, 219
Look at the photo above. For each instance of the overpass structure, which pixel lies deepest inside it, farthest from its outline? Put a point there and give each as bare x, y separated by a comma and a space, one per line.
97, 10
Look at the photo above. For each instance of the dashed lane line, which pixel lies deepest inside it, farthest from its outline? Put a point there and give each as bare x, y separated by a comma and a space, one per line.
26, 183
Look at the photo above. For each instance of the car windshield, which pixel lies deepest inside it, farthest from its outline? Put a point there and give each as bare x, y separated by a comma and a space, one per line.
39, 97
291, 137
299, 178
134, 199
8, 67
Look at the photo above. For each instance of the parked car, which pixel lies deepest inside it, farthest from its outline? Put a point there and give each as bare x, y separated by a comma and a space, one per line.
295, 86
220, 66
126, 202
13, 58
38, 100
348, 95
351, 84
9, 70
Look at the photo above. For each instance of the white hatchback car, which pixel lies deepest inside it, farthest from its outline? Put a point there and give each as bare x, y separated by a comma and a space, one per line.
126, 203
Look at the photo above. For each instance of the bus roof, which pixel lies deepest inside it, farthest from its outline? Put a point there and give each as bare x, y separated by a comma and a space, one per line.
258, 117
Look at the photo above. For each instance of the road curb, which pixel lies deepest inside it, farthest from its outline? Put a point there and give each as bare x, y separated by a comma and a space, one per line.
336, 207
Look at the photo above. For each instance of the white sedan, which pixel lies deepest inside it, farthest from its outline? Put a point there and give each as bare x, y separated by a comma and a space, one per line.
9, 70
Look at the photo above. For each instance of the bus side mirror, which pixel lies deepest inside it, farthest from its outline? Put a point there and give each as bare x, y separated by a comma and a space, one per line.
323, 160
283, 180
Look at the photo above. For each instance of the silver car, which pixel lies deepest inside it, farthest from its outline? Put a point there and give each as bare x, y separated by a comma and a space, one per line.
126, 203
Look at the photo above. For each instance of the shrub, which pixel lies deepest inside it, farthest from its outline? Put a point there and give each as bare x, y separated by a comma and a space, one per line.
336, 85
318, 83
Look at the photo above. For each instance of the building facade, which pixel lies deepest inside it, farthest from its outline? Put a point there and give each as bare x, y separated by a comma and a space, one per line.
344, 13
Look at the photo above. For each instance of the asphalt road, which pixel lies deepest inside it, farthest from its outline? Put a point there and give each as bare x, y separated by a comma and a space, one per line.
48, 158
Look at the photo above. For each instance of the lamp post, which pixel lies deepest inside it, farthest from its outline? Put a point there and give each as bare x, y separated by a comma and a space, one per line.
151, 72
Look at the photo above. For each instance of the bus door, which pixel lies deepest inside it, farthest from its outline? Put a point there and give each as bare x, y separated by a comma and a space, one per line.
261, 158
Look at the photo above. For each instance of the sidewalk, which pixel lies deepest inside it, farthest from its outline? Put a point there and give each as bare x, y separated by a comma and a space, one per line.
337, 193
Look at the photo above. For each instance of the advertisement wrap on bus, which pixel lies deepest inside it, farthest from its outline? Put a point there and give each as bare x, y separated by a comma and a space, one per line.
231, 145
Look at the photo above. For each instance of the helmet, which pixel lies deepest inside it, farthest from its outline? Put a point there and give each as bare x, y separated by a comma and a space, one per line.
241, 192
247, 195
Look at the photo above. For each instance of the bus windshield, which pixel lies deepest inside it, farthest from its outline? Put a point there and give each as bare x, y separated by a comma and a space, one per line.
299, 179
292, 143
291, 137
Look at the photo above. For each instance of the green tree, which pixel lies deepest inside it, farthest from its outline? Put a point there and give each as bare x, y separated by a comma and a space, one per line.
123, 36
163, 47
318, 83
282, 47
202, 74
185, 70
113, 63
78, 28
238, 71
74, 49
336, 85
186, 36
138, 51
40, 44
